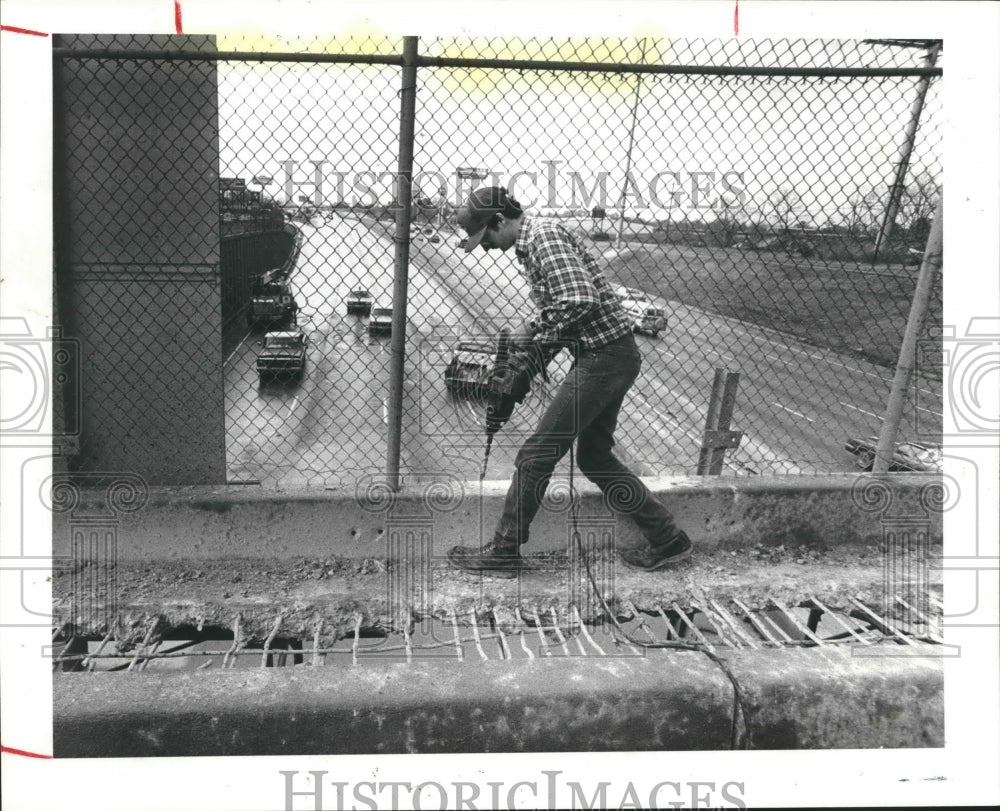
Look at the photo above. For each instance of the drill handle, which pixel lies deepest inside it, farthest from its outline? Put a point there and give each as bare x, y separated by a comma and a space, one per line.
503, 351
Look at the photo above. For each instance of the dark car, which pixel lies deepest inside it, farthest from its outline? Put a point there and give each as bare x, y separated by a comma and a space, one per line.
468, 372
359, 302
380, 321
906, 456
283, 356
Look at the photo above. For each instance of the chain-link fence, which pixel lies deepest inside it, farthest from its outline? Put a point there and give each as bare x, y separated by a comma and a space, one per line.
761, 207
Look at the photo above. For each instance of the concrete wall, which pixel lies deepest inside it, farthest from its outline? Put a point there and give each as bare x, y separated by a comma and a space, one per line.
244, 256
137, 257
795, 699
719, 515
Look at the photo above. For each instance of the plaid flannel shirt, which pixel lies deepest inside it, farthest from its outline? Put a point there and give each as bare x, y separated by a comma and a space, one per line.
574, 300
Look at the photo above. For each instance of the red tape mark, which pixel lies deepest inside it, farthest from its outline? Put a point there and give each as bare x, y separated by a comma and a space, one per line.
736, 18
15, 30
11, 751
177, 17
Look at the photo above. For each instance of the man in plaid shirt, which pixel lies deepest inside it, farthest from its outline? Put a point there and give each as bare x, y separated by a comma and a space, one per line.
576, 308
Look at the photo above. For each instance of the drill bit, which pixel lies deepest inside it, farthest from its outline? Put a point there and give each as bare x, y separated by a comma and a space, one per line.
486, 457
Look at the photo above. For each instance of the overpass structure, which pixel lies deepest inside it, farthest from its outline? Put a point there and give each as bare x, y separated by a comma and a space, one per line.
195, 618
304, 623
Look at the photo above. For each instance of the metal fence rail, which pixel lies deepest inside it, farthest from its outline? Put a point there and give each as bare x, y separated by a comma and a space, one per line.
771, 199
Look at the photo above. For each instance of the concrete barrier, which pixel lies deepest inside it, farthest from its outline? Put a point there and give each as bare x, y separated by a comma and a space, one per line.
195, 555
836, 511
664, 701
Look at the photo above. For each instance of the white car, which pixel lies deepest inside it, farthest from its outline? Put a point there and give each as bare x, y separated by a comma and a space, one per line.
380, 321
627, 294
645, 317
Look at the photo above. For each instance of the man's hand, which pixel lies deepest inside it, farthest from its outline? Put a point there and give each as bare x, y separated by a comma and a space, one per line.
509, 385
515, 382
528, 364
521, 338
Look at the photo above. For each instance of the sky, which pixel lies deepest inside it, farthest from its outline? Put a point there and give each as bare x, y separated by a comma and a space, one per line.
563, 138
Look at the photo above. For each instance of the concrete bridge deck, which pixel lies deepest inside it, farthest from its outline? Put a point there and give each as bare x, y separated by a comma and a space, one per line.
792, 600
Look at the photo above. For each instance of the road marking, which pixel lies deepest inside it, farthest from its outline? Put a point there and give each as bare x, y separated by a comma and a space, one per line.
869, 413
666, 418
775, 357
935, 413
294, 405
877, 377
796, 413
660, 351
796, 349
723, 355
385, 413
861, 371
237, 349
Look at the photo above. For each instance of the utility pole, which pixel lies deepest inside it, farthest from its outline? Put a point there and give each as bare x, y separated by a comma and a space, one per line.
929, 269
899, 182
631, 143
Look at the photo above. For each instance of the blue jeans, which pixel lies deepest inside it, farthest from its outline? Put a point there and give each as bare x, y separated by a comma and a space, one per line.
585, 408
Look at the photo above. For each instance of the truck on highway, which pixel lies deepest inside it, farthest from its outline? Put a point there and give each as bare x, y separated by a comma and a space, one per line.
283, 356
271, 301
471, 366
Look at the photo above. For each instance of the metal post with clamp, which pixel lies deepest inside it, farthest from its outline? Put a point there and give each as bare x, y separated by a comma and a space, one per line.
717, 437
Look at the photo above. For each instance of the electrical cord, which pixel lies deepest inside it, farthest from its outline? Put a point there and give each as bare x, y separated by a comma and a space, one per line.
739, 701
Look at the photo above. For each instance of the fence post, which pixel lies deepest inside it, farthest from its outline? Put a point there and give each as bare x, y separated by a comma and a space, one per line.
930, 266
727, 438
404, 200
717, 436
711, 420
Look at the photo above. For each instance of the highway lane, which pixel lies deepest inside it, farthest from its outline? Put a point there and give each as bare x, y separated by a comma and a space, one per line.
797, 404
656, 434
279, 434
802, 402
330, 429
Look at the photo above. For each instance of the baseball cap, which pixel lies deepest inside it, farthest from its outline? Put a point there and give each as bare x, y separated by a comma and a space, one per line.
483, 204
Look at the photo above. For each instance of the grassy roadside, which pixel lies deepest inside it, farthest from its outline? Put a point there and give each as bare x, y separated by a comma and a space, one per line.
850, 308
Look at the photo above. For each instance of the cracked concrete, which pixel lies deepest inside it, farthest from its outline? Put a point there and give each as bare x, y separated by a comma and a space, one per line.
204, 555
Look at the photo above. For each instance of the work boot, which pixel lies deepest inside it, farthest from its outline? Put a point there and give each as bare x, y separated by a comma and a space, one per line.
497, 557
653, 557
